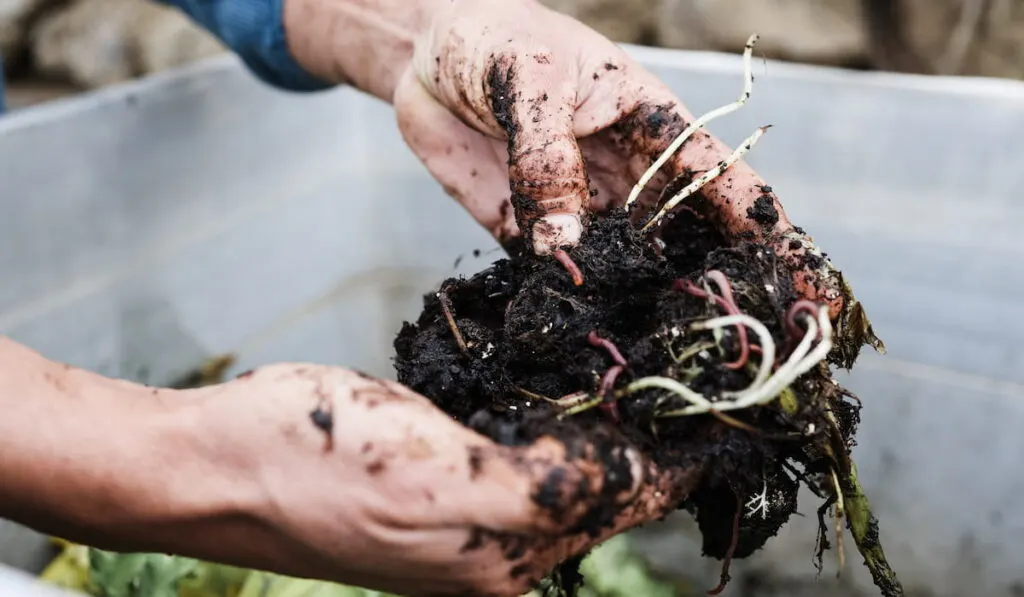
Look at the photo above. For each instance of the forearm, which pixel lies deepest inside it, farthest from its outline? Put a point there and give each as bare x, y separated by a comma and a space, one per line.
95, 459
365, 43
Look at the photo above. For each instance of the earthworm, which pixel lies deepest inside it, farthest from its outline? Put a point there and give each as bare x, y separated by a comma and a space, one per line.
793, 330
726, 303
607, 381
726, 289
570, 266
599, 342
801, 306
727, 560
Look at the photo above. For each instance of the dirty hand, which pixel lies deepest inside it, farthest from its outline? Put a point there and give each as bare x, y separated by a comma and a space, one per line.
507, 98
310, 471
511, 95
380, 489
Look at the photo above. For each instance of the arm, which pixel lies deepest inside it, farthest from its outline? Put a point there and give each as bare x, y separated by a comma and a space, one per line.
309, 45
239, 474
102, 461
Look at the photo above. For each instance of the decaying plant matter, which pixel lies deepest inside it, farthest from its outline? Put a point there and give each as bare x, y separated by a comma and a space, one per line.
694, 346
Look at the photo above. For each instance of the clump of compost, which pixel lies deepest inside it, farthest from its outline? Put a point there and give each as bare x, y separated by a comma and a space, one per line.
695, 347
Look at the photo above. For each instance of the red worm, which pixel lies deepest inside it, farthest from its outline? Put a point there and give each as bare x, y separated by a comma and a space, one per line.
570, 266
690, 288
801, 306
599, 342
793, 330
741, 330
610, 407
609, 380
730, 550
727, 304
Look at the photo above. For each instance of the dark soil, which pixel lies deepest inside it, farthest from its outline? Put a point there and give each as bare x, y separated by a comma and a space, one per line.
526, 333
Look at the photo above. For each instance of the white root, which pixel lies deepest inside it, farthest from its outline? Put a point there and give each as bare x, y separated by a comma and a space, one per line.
708, 176
765, 388
582, 405
671, 385
748, 85
570, 401
759, 503
763, 335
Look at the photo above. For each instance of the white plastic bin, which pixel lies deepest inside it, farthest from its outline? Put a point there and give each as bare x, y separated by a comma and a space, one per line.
148, 226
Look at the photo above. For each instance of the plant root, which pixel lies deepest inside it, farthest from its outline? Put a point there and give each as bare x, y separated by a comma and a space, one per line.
748, 85
446, 308
708, 176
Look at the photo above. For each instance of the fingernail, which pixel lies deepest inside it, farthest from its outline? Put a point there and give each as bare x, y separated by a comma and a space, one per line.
554, 231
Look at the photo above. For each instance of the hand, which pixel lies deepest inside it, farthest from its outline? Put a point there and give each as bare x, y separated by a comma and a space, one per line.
397, 496
510, 95
503, 98
311, 471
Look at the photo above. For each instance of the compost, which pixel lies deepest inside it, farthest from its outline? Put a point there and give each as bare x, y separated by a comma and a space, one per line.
570, 346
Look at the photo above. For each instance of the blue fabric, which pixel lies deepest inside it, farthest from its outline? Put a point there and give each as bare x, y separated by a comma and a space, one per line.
3, 105
254, 30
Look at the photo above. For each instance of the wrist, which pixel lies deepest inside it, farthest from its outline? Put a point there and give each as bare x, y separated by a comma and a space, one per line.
364, 43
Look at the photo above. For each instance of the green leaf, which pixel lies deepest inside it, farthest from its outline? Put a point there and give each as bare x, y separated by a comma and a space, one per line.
137, 575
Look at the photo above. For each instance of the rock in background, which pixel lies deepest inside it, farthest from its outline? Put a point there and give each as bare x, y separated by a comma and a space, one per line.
16, 18
625, 21
818, 31
954, 37
965, 37
92, 43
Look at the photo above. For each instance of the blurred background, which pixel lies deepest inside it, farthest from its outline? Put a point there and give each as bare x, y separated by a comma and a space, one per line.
53, 48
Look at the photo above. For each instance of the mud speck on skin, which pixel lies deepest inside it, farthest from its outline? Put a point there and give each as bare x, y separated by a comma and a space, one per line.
476, 462
763, 211
535, 323
501, 92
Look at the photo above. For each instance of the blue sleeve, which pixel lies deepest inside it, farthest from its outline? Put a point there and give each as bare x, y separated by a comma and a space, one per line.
2, 105
254, 30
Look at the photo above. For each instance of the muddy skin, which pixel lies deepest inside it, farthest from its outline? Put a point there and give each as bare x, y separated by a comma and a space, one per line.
500, 84
525, 325
648, 129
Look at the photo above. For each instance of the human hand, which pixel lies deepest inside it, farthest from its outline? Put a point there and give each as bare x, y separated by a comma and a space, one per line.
395, 495
504, 96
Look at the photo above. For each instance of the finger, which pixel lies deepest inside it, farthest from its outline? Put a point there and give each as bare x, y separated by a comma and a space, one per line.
739, 200
533, 98
589, 482
461, 159
568, 519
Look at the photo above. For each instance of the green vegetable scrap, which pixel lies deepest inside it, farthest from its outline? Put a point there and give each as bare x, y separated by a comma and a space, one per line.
611, 570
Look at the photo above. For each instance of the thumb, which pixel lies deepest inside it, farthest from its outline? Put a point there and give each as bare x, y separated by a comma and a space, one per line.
461, 159
533, 98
